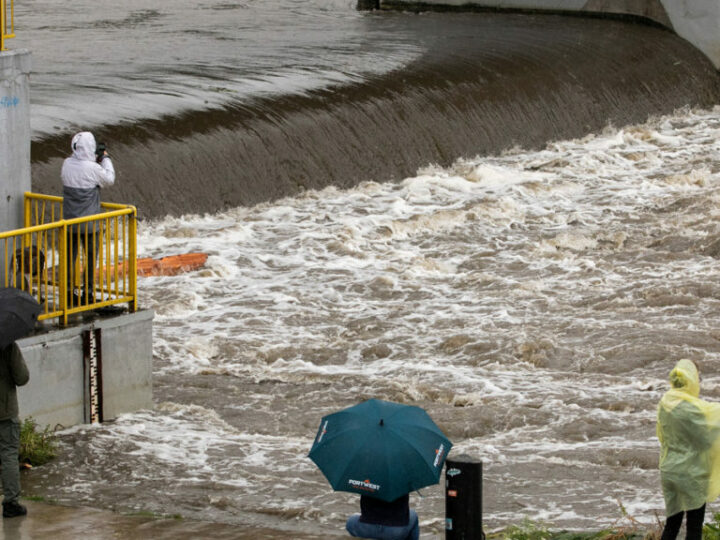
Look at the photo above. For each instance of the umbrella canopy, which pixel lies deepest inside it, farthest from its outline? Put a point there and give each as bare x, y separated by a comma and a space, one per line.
380, 448
18, 314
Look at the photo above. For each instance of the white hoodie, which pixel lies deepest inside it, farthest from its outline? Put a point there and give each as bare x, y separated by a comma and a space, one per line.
82, 178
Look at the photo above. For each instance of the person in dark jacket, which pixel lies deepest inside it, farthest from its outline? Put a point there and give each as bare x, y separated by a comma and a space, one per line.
382, 520
83, 175
13, 373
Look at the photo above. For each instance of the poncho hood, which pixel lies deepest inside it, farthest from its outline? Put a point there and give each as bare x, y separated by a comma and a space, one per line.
83, 146
684, 377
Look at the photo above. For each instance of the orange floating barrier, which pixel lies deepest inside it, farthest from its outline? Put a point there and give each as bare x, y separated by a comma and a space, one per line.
148, 267
167, 266
171, 265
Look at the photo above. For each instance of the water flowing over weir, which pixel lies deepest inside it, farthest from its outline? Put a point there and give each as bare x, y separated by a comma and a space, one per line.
487, 82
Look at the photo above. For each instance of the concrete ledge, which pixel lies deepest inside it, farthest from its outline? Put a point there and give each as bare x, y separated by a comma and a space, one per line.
58, 391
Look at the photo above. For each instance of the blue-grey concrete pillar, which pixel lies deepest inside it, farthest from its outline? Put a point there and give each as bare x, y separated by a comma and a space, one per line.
14, 136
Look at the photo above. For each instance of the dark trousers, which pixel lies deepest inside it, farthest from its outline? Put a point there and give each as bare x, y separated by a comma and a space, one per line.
357, 528
694, 524
89, 242
9, 446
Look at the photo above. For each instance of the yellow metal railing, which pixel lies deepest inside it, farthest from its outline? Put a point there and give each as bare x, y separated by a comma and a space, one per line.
72, 265
7, 21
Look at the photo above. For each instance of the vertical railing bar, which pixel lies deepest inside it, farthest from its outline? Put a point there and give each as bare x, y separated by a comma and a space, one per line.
2, 25
109, 266
108, 255
14, 262
86, 266
6, 281
126, 261
26, 209
106, 252
133, 259
54, 281
117, 253
63, 280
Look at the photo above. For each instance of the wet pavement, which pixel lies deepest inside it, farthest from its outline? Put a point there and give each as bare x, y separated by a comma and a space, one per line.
46, 521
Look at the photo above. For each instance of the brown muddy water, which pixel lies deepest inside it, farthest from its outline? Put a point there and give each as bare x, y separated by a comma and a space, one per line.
510, 221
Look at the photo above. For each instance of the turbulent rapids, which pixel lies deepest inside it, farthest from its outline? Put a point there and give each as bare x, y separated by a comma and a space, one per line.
532, 302
511, 222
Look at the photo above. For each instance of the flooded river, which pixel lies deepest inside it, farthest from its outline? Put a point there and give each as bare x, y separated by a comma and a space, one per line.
532, 294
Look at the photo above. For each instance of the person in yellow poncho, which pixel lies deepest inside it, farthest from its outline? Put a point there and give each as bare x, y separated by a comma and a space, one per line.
689, 432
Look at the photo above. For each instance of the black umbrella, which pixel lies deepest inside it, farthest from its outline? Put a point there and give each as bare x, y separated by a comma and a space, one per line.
18, 313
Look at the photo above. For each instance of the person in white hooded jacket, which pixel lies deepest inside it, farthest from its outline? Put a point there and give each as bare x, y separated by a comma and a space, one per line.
83, 175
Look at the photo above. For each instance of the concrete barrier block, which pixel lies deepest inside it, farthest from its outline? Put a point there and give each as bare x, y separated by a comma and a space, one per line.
58, 390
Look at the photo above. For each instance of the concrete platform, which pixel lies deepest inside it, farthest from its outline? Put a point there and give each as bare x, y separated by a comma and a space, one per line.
59, 392
46, 521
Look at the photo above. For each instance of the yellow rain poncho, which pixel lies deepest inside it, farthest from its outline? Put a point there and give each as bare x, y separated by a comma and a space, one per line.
689, 433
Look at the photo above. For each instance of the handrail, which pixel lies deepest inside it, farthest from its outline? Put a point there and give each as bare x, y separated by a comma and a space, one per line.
4, 34
51, 257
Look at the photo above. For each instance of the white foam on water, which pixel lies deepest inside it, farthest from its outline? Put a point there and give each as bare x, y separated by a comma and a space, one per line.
534, 301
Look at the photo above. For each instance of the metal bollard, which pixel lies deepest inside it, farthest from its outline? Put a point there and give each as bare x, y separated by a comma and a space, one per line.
463, 498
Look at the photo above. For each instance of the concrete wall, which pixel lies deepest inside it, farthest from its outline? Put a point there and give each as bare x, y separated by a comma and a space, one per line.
58, 389
14, 136
697, 21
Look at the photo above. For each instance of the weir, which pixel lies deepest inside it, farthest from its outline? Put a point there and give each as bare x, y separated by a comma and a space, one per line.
484, 83
697, 21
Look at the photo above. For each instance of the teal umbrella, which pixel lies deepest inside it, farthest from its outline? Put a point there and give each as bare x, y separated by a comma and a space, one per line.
380, 448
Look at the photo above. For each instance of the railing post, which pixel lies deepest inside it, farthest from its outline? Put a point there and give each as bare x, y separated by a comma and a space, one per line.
27, 207
27, 210
2, 25
4, 22
63, 274
133, 259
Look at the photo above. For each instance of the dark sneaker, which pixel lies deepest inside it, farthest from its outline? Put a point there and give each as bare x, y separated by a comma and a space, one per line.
13, 509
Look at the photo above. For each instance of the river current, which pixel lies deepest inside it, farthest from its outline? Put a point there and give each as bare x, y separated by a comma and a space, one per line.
532, 300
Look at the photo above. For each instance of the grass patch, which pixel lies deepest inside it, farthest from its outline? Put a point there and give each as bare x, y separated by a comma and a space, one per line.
34, 498
625, 528
36, 447
533, 531
711, 529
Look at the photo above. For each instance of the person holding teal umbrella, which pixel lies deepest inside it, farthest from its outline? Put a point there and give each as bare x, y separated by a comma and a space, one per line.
382, 451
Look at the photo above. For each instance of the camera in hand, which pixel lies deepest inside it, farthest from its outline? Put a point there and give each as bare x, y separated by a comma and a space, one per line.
100, 151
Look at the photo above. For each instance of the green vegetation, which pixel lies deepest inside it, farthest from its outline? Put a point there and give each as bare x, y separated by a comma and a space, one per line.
34, 498
626, 528
532, 531
711, 530
36, 447
529, 530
